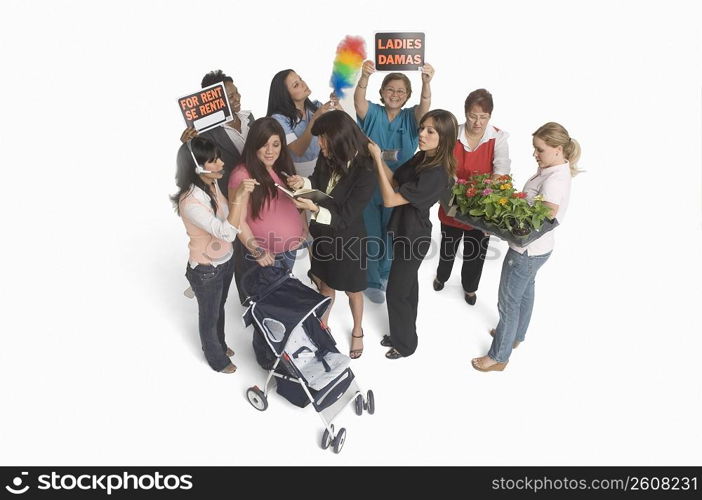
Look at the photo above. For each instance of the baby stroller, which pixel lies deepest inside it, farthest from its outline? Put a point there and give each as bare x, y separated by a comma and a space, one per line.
308, 367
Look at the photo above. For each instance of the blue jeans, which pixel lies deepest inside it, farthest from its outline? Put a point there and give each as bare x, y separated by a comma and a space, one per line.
211, 287
515, 301
378, 243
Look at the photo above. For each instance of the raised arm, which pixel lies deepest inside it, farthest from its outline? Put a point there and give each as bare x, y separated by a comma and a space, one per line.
425, 97
385, 179
359, 95
300, 145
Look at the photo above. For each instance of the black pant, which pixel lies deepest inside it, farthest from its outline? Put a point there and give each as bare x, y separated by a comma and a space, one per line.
402, 294
211, 287
475, 245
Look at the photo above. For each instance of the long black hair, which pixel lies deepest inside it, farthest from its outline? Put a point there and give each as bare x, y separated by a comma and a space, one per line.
345, 141
204, 151
261, 130
280, 102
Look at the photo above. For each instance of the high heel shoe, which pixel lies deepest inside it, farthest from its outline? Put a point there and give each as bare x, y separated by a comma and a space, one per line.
497, 367
386, 341
514, 345
356, 353
470, 298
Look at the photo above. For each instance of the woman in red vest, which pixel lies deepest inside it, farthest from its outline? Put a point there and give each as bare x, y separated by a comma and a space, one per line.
480, 149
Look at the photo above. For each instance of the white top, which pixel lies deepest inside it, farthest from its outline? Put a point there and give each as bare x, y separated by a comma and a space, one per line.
553, 183
239, 138
195, 209
500, 161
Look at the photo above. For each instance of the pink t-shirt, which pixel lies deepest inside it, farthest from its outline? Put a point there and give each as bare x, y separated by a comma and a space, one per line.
279, 227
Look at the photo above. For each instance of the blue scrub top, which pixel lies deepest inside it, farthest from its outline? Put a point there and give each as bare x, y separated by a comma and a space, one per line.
400, 134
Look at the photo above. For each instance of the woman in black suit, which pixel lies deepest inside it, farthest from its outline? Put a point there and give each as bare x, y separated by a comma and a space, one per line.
344, 170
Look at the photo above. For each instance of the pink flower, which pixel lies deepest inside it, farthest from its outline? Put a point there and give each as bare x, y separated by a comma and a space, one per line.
519, 195
487, 191
461, 181
488, 181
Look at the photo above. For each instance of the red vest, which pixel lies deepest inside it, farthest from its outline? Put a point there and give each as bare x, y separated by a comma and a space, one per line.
470, 163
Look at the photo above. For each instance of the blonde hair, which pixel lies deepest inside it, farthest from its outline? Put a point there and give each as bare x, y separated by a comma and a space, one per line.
554, 135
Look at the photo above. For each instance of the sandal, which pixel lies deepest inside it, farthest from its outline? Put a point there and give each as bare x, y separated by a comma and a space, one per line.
356, 353
393, 354
386, 341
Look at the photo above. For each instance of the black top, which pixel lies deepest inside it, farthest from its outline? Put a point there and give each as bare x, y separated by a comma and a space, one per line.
338, 257
229, 154
422, 191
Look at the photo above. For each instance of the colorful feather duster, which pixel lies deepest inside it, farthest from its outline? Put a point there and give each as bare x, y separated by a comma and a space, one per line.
348, 61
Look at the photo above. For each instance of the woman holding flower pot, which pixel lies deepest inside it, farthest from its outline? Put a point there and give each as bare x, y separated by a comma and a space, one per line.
480, 149
556, 154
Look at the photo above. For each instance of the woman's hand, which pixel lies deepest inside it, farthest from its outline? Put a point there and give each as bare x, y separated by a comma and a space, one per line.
374, 150
242, 191
306, 204
334, 100
367, 69
427, 73
188, 133
327, 106
296, 182
266, 258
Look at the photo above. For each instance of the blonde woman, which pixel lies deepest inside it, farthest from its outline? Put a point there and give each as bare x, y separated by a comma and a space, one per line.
556, 155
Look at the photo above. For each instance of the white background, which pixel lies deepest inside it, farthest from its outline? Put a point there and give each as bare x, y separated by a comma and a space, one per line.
100, 362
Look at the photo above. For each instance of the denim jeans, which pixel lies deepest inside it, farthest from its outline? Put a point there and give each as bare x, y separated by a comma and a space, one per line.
515, 301
211, 287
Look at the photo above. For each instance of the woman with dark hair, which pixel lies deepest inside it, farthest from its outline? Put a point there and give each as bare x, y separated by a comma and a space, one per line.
289, 103
344, 171
556, 154
212, 224
412, 190
480, 149
271, 227
393, 127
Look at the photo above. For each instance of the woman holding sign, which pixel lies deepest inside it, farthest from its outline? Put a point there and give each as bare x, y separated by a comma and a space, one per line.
212, 224
556, 155
412, 190
289, 103
345, 172
394, 129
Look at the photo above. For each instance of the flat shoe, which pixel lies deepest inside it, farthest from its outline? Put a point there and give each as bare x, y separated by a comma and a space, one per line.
230, 353
386, 341
470, 298
497, 367
393, 354
230, 368
438, 285
514, 345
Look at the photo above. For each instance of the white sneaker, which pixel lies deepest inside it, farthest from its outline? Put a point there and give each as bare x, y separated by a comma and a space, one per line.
375, 295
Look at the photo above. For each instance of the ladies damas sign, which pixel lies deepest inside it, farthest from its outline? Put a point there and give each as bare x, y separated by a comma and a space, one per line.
399, 51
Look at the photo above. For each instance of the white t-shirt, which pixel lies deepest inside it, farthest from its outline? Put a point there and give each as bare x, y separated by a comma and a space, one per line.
553, 183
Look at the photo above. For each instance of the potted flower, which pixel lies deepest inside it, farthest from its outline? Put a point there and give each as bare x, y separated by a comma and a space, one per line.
493, 205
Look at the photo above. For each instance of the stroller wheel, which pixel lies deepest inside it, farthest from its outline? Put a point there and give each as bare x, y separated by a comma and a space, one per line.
339, 440
359, 405
327, 438
257, 399
370, 402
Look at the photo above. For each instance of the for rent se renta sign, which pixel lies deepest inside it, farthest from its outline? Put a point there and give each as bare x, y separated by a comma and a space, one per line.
207, 108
